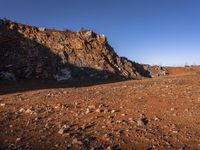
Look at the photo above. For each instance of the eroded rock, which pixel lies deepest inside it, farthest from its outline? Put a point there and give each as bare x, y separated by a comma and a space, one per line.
29, 52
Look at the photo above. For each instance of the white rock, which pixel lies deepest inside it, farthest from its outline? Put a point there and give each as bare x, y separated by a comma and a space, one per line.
64, 129
18, 139
42, 29
76, 141
2, 104
21, 110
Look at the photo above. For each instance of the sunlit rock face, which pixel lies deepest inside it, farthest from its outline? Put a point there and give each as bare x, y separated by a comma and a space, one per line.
29, 52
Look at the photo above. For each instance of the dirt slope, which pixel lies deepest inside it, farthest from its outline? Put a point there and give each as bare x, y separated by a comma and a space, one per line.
183, 70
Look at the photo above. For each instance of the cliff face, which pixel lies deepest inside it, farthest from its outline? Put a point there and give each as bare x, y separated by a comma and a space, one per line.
31, 52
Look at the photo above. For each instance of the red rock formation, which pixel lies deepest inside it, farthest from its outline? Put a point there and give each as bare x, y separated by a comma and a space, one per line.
31, 52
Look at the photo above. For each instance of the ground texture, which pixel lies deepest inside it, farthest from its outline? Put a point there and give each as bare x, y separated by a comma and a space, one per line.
159, 113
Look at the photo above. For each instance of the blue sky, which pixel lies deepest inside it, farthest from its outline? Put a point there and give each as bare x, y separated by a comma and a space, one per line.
163, 32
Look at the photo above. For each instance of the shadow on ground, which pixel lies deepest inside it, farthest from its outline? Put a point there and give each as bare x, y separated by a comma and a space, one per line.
30, 85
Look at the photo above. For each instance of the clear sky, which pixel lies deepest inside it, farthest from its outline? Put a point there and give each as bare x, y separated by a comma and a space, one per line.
163, 32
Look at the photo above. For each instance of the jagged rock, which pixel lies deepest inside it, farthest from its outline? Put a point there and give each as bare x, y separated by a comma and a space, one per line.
41, 29
88, 36
156, 71
142, 120
101, 38
44, 53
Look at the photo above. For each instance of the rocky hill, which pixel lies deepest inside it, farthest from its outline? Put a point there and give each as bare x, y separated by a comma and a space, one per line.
28, 52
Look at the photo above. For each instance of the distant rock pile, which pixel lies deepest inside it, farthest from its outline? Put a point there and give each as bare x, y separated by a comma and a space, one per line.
156, 71
29, 52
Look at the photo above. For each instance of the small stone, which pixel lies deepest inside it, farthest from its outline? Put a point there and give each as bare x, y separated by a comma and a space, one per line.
76, 103
109, 117
57, 106
20, 99
172, 109
156, 118
47, 125
28, 111
123, 114
186, 110
87, 111
142, 120
113, 111
2, 104
76, 141
91, 107
18, 139
175, 131
37, 118
131, 120
173, 126
64, 92
64, 129
21, 110
98, 110
108, 148
103, 127
118, 121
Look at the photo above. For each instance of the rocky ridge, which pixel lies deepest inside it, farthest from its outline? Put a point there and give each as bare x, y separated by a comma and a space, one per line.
29, 52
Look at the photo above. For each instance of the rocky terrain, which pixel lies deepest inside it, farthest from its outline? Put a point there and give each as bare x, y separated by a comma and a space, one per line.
29, 52
158, 113
97, 106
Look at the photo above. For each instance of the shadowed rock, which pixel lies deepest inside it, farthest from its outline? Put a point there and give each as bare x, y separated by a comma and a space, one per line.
31, 52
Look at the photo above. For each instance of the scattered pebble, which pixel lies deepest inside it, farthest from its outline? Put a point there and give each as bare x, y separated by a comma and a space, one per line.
87, 111
64, 129
156, 118
2, 104
29, 111
22, 110
99, 110
142, 120
76, 141
113, 111
18, 140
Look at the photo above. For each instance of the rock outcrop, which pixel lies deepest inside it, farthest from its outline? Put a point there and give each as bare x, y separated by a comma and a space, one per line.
29, 52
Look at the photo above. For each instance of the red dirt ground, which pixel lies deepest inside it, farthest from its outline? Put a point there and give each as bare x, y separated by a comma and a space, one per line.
159, 113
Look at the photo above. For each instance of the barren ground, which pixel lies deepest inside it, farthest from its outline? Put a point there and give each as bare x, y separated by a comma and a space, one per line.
159, 113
